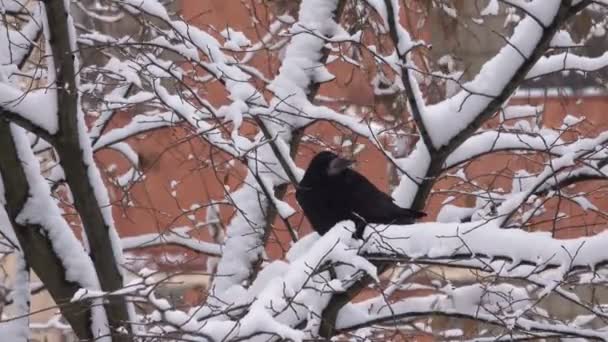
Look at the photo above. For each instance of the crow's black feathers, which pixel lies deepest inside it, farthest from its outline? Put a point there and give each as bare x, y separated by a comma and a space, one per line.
331, 192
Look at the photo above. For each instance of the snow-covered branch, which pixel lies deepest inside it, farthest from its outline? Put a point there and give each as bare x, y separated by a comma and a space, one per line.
567, 62
177, 236
508, 252
251, 103
498, 305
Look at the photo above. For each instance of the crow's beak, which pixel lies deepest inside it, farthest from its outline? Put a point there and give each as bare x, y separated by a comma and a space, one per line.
338, 165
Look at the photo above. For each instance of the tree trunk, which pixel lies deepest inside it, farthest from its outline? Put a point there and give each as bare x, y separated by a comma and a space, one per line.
35, 245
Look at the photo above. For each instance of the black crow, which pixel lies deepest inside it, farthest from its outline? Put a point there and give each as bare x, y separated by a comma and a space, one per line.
331, 192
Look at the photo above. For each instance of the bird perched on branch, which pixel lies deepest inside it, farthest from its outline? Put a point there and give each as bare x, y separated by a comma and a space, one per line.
331, 192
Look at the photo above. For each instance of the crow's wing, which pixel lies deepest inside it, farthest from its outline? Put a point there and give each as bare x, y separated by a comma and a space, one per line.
373, 205
321, 208
307, 201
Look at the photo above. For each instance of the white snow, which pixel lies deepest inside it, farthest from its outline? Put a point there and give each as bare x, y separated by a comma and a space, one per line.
11, 5
14, 45
18, 329
36, 106
491, 9
485, 240
493, 141
177, 236
452, 213
235, 39
567, 61
284, 293
466, 105
562, 39
415, 167
138, 124
300, 67
40, 209
501, 304
520, 111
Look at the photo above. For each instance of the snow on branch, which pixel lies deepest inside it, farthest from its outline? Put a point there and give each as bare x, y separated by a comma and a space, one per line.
41, 210
235, 79
177, 236
73, 146
16, 45
247, 227
106, 115
304, 281
491, 82
283, 295
33, 109
18, 328
250, 299
404, 44
502, 305
137, 125
508, 252
494, 141
567, 61
413, 168
571, 154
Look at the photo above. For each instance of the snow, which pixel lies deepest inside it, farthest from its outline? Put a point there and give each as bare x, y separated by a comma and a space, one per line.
562, 39
138, 124
267, 275
18, 329
300, 68
177, 236
538, 9
235, 40
40, 209
36, 106
11, 6
500, 304
461, 109
127, 151
470, 300
242, 245
572, 120
567, 61
491, 9
493, 141
452, 213
303, 245
278, 291
236, 146
520, 111
14, 45
450, 11
405, 42
64, 235
302, 282
568, 154
235, 80
414, 168
397, 282
282, 294
486, 240
94, 176
380, 7
129, 70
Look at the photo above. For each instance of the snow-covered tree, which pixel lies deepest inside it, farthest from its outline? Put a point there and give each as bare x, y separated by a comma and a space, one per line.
503, 177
